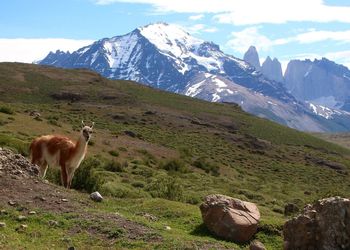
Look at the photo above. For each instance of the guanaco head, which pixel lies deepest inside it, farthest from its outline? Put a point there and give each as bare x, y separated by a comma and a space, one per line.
87, 130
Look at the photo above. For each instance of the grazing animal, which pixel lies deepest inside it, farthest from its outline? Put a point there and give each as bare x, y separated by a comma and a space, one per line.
54, 150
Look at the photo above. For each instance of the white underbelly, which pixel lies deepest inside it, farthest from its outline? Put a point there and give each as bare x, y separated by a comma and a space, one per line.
52, 160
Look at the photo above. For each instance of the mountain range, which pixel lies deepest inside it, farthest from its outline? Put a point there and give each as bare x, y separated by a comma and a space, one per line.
167, 57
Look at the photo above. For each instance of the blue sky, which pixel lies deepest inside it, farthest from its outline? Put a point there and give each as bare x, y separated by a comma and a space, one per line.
286, 29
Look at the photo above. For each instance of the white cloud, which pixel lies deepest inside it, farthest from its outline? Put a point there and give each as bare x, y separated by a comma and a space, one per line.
250, 12
196, 17
241, 40
29, 50
199, 28
322, 35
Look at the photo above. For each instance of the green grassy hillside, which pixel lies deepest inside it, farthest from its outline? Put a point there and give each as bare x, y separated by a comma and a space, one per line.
161, 153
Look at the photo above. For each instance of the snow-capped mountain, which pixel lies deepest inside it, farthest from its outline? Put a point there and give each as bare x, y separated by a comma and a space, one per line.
167, 57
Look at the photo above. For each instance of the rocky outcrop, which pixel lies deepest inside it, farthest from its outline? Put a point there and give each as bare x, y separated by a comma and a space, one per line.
252, 57
256, 245
322, 226
321, 81
272, 69
230, 218
16, 165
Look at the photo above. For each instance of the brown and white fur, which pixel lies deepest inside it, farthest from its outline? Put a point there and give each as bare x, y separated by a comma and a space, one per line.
54, 150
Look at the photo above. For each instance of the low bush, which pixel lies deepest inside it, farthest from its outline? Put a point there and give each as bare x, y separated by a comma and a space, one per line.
113, 166
85, 177
120, 190
15, 144
113, 153
166, 187
175, 165
6, 110
207, 166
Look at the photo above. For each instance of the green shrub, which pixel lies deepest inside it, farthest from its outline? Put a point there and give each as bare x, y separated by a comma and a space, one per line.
15, 144
138, 184
113, 166
113, 153
119, 190
206, 166
6, 110
175, 165
85, 177
166, 187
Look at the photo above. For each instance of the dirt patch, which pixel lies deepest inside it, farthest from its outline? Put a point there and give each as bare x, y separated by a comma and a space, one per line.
26, 191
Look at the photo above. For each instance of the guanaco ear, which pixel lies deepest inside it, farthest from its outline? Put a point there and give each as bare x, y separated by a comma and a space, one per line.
82, 123
92, 125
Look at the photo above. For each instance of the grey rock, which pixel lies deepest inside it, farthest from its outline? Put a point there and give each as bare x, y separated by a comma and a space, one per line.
21, 218
256, 245
324, 225
96, 196
252, 57
53, 223
2, 224
272, 69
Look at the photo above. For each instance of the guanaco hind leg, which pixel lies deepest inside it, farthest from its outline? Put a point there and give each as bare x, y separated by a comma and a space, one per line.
64, 176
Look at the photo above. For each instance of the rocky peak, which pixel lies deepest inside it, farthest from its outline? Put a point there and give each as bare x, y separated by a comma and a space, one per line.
252, 57
272, 69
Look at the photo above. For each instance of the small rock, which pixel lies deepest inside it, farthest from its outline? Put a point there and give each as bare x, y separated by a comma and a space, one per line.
2, 224
53, 223
64, 200
46, 181
36, 182
32, 212
167, 228
3, 211
256, 245
12, 203
21, 218
96, 196
22, 228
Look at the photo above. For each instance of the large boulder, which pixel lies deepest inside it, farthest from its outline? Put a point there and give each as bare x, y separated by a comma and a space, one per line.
324, 225
230, 218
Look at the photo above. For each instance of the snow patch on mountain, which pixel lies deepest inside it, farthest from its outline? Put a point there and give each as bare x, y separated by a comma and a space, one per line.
324, 111
194, 89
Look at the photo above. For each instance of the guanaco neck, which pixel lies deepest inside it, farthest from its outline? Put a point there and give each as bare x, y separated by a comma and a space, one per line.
81, 145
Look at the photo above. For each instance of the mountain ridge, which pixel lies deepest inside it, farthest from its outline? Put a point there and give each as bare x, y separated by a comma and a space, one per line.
167, 57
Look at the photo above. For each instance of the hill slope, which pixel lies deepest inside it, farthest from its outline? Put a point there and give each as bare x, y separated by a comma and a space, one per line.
152, 146
165, 56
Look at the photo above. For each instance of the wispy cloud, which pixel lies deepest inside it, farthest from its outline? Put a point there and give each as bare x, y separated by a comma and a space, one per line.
322, 35
241, 40
200, 28
196, 17
249, 12
29, 50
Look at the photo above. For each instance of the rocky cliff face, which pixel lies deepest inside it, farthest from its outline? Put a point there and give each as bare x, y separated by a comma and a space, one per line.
272, 69
321, 82
252, 57
324, 225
